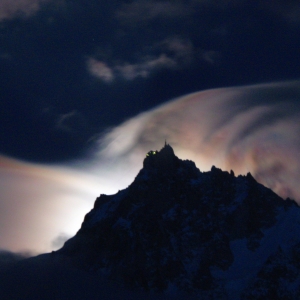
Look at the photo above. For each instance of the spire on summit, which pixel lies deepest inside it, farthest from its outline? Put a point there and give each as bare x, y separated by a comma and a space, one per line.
164, 159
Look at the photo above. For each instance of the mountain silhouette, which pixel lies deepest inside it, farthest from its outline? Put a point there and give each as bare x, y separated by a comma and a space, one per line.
175, 232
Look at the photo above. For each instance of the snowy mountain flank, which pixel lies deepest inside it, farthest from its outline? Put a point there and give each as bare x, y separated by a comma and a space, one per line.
178, 231
210, 234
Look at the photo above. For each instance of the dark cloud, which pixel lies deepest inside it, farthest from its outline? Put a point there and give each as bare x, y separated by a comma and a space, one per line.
8, 258
72, 122
109, 60
25, 8
289, 10
171, 53
59, 241
144, 11
130, 71
231, 35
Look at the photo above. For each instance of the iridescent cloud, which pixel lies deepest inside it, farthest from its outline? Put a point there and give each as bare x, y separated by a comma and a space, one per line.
247, 129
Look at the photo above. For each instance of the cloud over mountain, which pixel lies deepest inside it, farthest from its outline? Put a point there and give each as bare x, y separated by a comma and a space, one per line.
72, 70
252, 128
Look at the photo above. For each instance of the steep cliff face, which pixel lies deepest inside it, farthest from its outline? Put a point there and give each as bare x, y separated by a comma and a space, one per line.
178, 229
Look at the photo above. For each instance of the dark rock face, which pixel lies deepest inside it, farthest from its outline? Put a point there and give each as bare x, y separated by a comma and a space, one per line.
175, 228
278, 278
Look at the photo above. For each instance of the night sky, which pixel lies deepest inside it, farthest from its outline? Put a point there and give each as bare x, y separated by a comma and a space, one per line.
88, 87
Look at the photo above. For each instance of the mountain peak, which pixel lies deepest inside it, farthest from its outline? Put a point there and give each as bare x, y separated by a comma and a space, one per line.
163, 160
178, 227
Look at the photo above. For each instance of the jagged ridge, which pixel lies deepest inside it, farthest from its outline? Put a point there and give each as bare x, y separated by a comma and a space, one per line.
178, 228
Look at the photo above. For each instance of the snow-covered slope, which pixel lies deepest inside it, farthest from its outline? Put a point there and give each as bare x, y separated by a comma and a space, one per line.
176, 229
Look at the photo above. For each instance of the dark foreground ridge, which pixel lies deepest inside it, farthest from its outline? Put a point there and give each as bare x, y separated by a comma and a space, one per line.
177, 231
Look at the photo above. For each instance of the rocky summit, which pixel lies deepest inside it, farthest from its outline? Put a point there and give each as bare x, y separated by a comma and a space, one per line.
176, 229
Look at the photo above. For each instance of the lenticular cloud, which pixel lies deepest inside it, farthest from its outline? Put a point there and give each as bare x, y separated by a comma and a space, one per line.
247, 129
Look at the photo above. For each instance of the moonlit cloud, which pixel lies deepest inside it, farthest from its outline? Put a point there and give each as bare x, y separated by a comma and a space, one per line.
174, 53
39, 203
181, 50
246, 129
100, 69
188, 35
130, 71
72, 122
143, 69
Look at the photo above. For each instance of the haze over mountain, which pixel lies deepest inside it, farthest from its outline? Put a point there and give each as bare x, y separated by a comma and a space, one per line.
175, 232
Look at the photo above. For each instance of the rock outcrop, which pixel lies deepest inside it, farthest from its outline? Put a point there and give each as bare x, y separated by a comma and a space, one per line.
176, 228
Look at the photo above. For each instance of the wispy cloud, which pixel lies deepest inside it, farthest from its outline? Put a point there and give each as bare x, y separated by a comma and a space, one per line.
10, 9
100, 69
247, 129
289, 10
172, 53
71, 122
211, 56
144, 11
130, 71
143, 69
180, 49
59, 241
